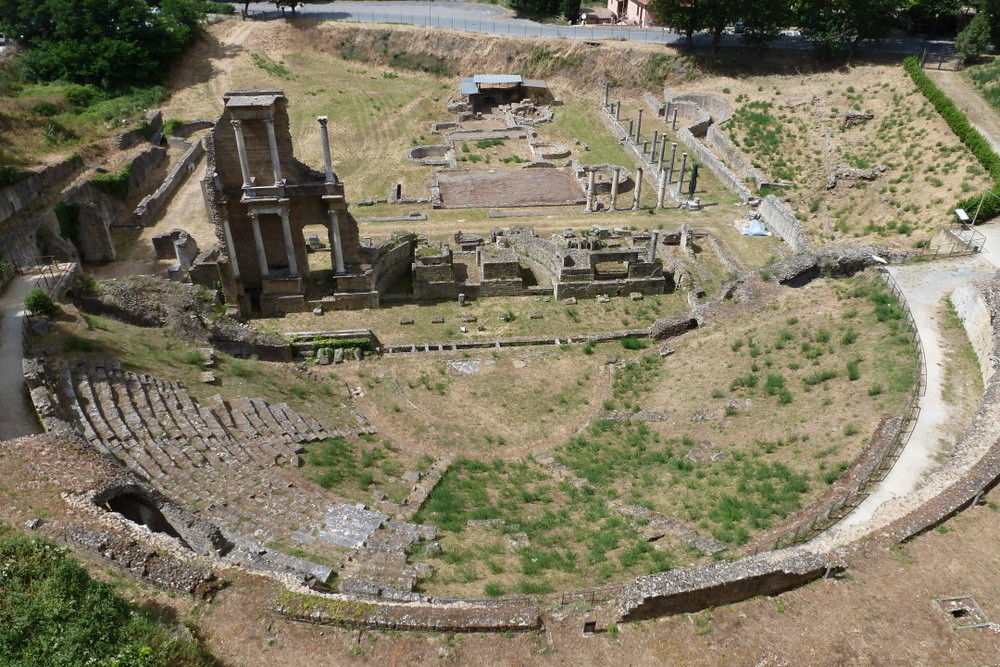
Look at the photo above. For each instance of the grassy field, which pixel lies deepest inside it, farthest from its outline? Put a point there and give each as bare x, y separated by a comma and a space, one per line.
558, 319
464, 406
793, 129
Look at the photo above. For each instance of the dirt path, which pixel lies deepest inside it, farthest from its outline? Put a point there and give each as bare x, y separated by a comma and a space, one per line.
18, 415
967, 98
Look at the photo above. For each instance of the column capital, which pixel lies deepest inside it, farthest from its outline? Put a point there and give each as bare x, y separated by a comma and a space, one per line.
322, 120
269, 120
237, 124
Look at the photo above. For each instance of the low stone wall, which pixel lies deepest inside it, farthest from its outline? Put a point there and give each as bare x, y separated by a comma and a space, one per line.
151, 205
459, 616
623, 287
703, 155
783, 223
439, 155
187, 129
692, 589
733, 156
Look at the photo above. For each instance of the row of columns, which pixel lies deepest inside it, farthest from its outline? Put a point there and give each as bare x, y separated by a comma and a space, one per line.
272, 144
334, 224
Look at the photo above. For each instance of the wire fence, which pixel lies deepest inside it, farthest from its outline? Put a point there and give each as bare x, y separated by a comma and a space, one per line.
840, 508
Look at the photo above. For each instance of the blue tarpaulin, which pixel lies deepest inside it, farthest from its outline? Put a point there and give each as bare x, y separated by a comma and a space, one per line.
755, 228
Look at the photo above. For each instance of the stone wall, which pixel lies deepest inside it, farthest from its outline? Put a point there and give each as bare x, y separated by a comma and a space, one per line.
96, 212
455, 616
706, 157
15, 197
977, 318
783, 223
393, 258
733, 156
151, 205
692, 589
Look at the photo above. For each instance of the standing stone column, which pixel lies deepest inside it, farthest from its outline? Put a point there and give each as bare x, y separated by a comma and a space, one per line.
629, 137
652, 245
259, 245
286, 228
638, 127
618, 110
241, 148
673, 155
661, 189
607, 87
591, 175
327, 160
663, 149
232, 247
680, 174
673, 125
645, 149
614, 188
652, 146
338, 251
638, 189
272, 143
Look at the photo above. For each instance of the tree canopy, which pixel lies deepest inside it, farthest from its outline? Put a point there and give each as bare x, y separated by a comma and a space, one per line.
112, 44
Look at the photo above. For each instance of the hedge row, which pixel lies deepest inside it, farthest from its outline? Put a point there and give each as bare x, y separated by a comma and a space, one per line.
969, 135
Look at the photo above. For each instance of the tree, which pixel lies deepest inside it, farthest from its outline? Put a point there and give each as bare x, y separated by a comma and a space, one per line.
570, 10
113, 44
38, 302
974, 39
763, 20
841, 25
678, 15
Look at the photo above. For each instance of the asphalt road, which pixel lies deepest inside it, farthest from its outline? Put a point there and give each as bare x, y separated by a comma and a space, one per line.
495, 20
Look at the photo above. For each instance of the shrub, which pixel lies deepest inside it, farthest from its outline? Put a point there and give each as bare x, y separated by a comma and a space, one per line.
630, 343
968, 135
115, 185
53, 613
38, 302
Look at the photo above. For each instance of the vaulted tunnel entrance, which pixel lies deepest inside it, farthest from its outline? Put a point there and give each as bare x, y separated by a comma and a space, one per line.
139, 510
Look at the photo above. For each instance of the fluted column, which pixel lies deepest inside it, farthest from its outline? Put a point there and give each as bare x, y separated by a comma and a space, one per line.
286, 228
680, 174
661, 189
258, 242
338, 251
272, 143
327, 161
241, 148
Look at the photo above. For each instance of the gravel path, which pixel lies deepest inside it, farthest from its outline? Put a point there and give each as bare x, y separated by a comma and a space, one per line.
18, 415
924, 286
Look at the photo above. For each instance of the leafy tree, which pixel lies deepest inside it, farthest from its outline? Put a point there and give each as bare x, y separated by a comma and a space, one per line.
679, 15
840, 25
113, 44
536, 7
38, 302
716, 15
570, 10
991, 8
763, 20
974, 39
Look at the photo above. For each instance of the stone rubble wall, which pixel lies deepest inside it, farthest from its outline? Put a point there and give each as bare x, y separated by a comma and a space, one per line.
459, 616
151, 205
783, 223
693, 589
15, 197
733, 156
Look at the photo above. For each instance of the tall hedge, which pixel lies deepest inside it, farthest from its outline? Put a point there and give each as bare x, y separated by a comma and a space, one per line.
969, 136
